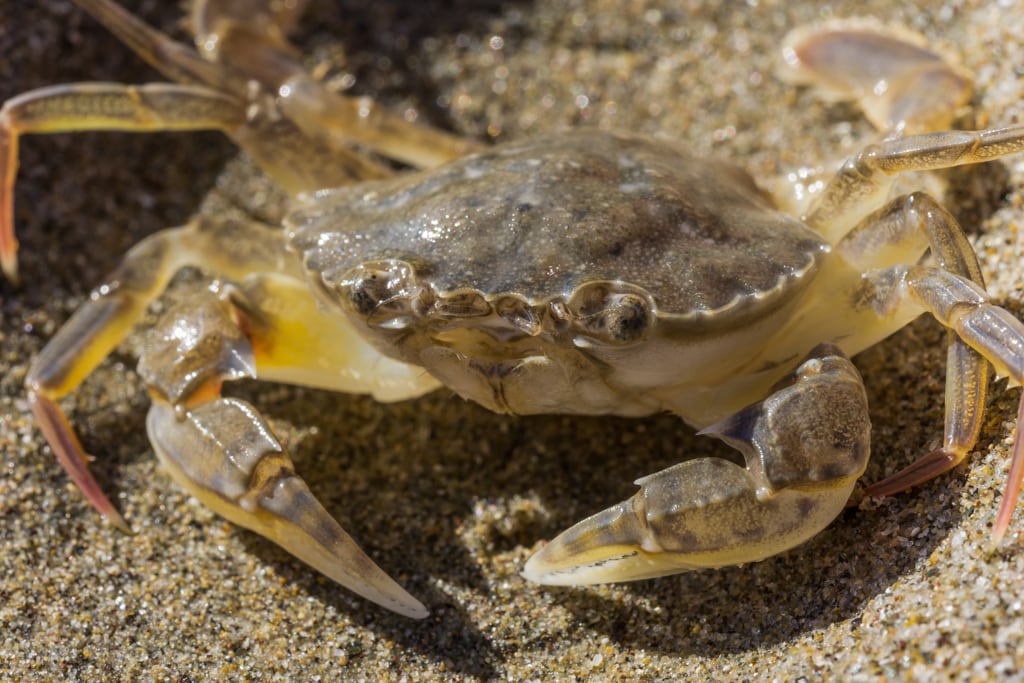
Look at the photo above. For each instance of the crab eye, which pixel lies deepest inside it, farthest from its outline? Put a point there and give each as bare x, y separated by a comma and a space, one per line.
377, 287
611, 313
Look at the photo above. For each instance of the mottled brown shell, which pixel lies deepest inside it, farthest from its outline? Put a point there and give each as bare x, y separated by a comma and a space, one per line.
538, 219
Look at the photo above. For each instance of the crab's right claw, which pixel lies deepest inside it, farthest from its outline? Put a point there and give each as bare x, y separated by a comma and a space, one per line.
804, 447
224, 453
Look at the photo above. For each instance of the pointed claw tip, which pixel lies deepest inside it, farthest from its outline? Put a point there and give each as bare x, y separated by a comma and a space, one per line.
1002, 523
542, 567
9, 266
531, 570
556, 564
415, 611
115, 520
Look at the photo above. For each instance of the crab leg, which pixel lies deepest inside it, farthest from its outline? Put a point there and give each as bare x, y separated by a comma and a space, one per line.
283, 124
298, 163
99, 106
865, 178
963, 307
899, 232
270, 19
240, 56
1013, 485
711, 512
900, 83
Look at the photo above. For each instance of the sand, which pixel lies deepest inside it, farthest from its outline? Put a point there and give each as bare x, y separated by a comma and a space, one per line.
447, 497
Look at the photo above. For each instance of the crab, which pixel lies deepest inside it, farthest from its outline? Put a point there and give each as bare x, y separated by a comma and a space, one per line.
585, 272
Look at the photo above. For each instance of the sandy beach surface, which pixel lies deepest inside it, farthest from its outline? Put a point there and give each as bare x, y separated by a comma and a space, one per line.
447, 497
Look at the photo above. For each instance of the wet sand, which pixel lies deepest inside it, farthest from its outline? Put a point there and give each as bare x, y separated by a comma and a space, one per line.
447, 497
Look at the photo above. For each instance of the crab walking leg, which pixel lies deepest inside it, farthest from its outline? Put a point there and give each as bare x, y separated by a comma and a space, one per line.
237, 56
967, 375
899, 233
1015, 479
297, 162
272, 19
963, 307
115, 306
865, 178
99, 106
222, 451
804, 447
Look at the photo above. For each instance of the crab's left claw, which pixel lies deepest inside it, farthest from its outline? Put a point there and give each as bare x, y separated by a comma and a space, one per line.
804, 447
224, 454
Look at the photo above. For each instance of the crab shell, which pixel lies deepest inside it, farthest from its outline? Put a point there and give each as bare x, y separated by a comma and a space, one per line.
492, 263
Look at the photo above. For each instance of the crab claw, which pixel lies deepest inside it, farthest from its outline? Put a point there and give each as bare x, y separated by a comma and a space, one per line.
697, 514
804, 447
224, 454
